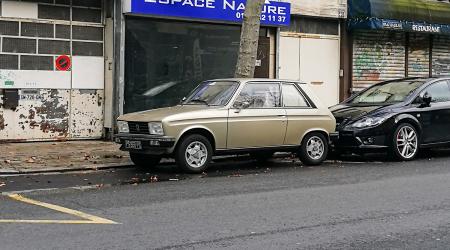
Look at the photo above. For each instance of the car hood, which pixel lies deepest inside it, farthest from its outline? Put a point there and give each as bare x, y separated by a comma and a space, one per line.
344, 112
160, 114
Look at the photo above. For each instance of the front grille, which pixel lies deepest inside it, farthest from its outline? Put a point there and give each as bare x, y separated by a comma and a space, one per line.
138, 127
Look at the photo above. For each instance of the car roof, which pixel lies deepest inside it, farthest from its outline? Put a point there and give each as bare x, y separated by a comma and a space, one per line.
256, 80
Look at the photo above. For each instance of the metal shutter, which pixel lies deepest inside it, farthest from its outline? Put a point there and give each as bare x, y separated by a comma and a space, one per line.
377, 56
441, 56
419, 55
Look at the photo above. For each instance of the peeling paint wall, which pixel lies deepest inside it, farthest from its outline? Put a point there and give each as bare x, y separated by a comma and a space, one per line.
86, 115
320, 8
41, 114
54, 103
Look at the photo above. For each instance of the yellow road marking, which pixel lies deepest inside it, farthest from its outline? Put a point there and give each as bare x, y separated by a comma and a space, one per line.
88, 218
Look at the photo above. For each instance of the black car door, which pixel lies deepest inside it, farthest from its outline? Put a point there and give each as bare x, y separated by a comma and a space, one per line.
435, 119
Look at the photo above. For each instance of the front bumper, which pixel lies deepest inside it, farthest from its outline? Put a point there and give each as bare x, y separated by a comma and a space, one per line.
359, 140
150, 144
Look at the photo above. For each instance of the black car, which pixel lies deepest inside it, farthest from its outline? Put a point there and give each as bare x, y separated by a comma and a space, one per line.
400, 116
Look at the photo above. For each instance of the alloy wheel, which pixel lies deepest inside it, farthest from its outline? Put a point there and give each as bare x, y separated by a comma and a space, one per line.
407, 142
196, 154
315, 147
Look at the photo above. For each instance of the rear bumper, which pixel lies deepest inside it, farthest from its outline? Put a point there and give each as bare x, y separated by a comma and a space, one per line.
155, 145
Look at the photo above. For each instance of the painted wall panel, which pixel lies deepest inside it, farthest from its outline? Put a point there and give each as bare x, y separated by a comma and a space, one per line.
42, 114
88, 72
86, 113
34, 79
321, 8
19, 9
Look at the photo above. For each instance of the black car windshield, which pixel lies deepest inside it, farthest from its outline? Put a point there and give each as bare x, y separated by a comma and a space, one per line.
388, 92
212, 93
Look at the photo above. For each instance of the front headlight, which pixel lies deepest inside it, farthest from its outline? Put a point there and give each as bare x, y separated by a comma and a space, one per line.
368, 122
123, 127
155, 128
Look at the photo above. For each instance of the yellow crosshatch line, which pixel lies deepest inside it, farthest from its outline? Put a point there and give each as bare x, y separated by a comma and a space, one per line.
88, 219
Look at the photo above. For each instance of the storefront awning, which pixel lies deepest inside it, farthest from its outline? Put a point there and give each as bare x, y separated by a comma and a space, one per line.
431, 16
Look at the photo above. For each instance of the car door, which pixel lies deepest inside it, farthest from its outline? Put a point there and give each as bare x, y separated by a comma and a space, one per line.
262, 123
435, 119
300, 113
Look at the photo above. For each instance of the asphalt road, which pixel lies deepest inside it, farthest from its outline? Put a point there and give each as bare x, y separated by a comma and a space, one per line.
239, 205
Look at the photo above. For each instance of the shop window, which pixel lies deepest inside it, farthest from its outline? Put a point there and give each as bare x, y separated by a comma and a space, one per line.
53, 12
87, 33
87, 49
310, 25
19, 45
166, 60
37, 29
54, 47
9, 28
9, 61
36, 62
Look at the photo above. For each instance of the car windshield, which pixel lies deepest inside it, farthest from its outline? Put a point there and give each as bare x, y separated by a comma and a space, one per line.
212, 93
388, 92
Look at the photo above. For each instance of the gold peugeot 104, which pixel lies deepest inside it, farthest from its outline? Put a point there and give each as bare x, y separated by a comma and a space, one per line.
230, 116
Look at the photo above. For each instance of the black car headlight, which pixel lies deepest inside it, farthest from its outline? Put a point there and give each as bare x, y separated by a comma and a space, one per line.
368, 122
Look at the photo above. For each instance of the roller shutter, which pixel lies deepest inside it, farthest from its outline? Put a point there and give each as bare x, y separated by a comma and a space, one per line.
441, 56
419, 55
377, 56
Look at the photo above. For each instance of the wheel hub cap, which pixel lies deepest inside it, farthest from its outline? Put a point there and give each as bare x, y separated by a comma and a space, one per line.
315, 148
196, 154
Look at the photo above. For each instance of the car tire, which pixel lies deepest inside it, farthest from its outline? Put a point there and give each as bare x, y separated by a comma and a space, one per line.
404, 152
194, 154
262, 156
145, 161
314, 149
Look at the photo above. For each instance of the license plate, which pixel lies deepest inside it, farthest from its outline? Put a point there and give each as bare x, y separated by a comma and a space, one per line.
133, 144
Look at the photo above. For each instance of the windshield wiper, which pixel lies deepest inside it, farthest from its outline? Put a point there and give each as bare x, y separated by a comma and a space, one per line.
200, 101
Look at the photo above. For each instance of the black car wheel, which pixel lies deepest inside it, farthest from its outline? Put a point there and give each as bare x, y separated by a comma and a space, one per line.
145, 161
405, 142
314, 149
194, 154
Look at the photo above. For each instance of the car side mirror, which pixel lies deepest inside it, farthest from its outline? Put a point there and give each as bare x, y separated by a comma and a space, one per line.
424, 100
427, 99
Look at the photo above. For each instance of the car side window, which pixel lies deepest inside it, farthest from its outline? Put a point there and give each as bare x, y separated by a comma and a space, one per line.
292, 97
260, 95
439, 92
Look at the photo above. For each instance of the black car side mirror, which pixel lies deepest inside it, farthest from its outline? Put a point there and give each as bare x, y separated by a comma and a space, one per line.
425, 100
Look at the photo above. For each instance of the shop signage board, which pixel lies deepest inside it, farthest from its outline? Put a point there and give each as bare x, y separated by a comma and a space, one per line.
273, 13
407, 26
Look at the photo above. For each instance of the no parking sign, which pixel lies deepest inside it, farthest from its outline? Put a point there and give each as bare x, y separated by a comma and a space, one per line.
63, 63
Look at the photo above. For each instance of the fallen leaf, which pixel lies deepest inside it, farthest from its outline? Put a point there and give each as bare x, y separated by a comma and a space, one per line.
7, 161
173, 179
2, 184
31, 160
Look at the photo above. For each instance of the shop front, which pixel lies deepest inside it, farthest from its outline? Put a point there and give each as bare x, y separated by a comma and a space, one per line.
171, 46
395, 39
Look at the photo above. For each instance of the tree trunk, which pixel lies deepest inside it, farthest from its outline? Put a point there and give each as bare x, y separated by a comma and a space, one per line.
245, 67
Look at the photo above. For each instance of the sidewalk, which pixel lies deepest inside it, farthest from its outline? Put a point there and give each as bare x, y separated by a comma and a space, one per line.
60, 156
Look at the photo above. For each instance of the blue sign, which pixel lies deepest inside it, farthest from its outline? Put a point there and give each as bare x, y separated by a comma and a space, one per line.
273, 13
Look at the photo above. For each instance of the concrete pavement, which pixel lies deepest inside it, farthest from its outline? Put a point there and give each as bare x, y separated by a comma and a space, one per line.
41, 157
